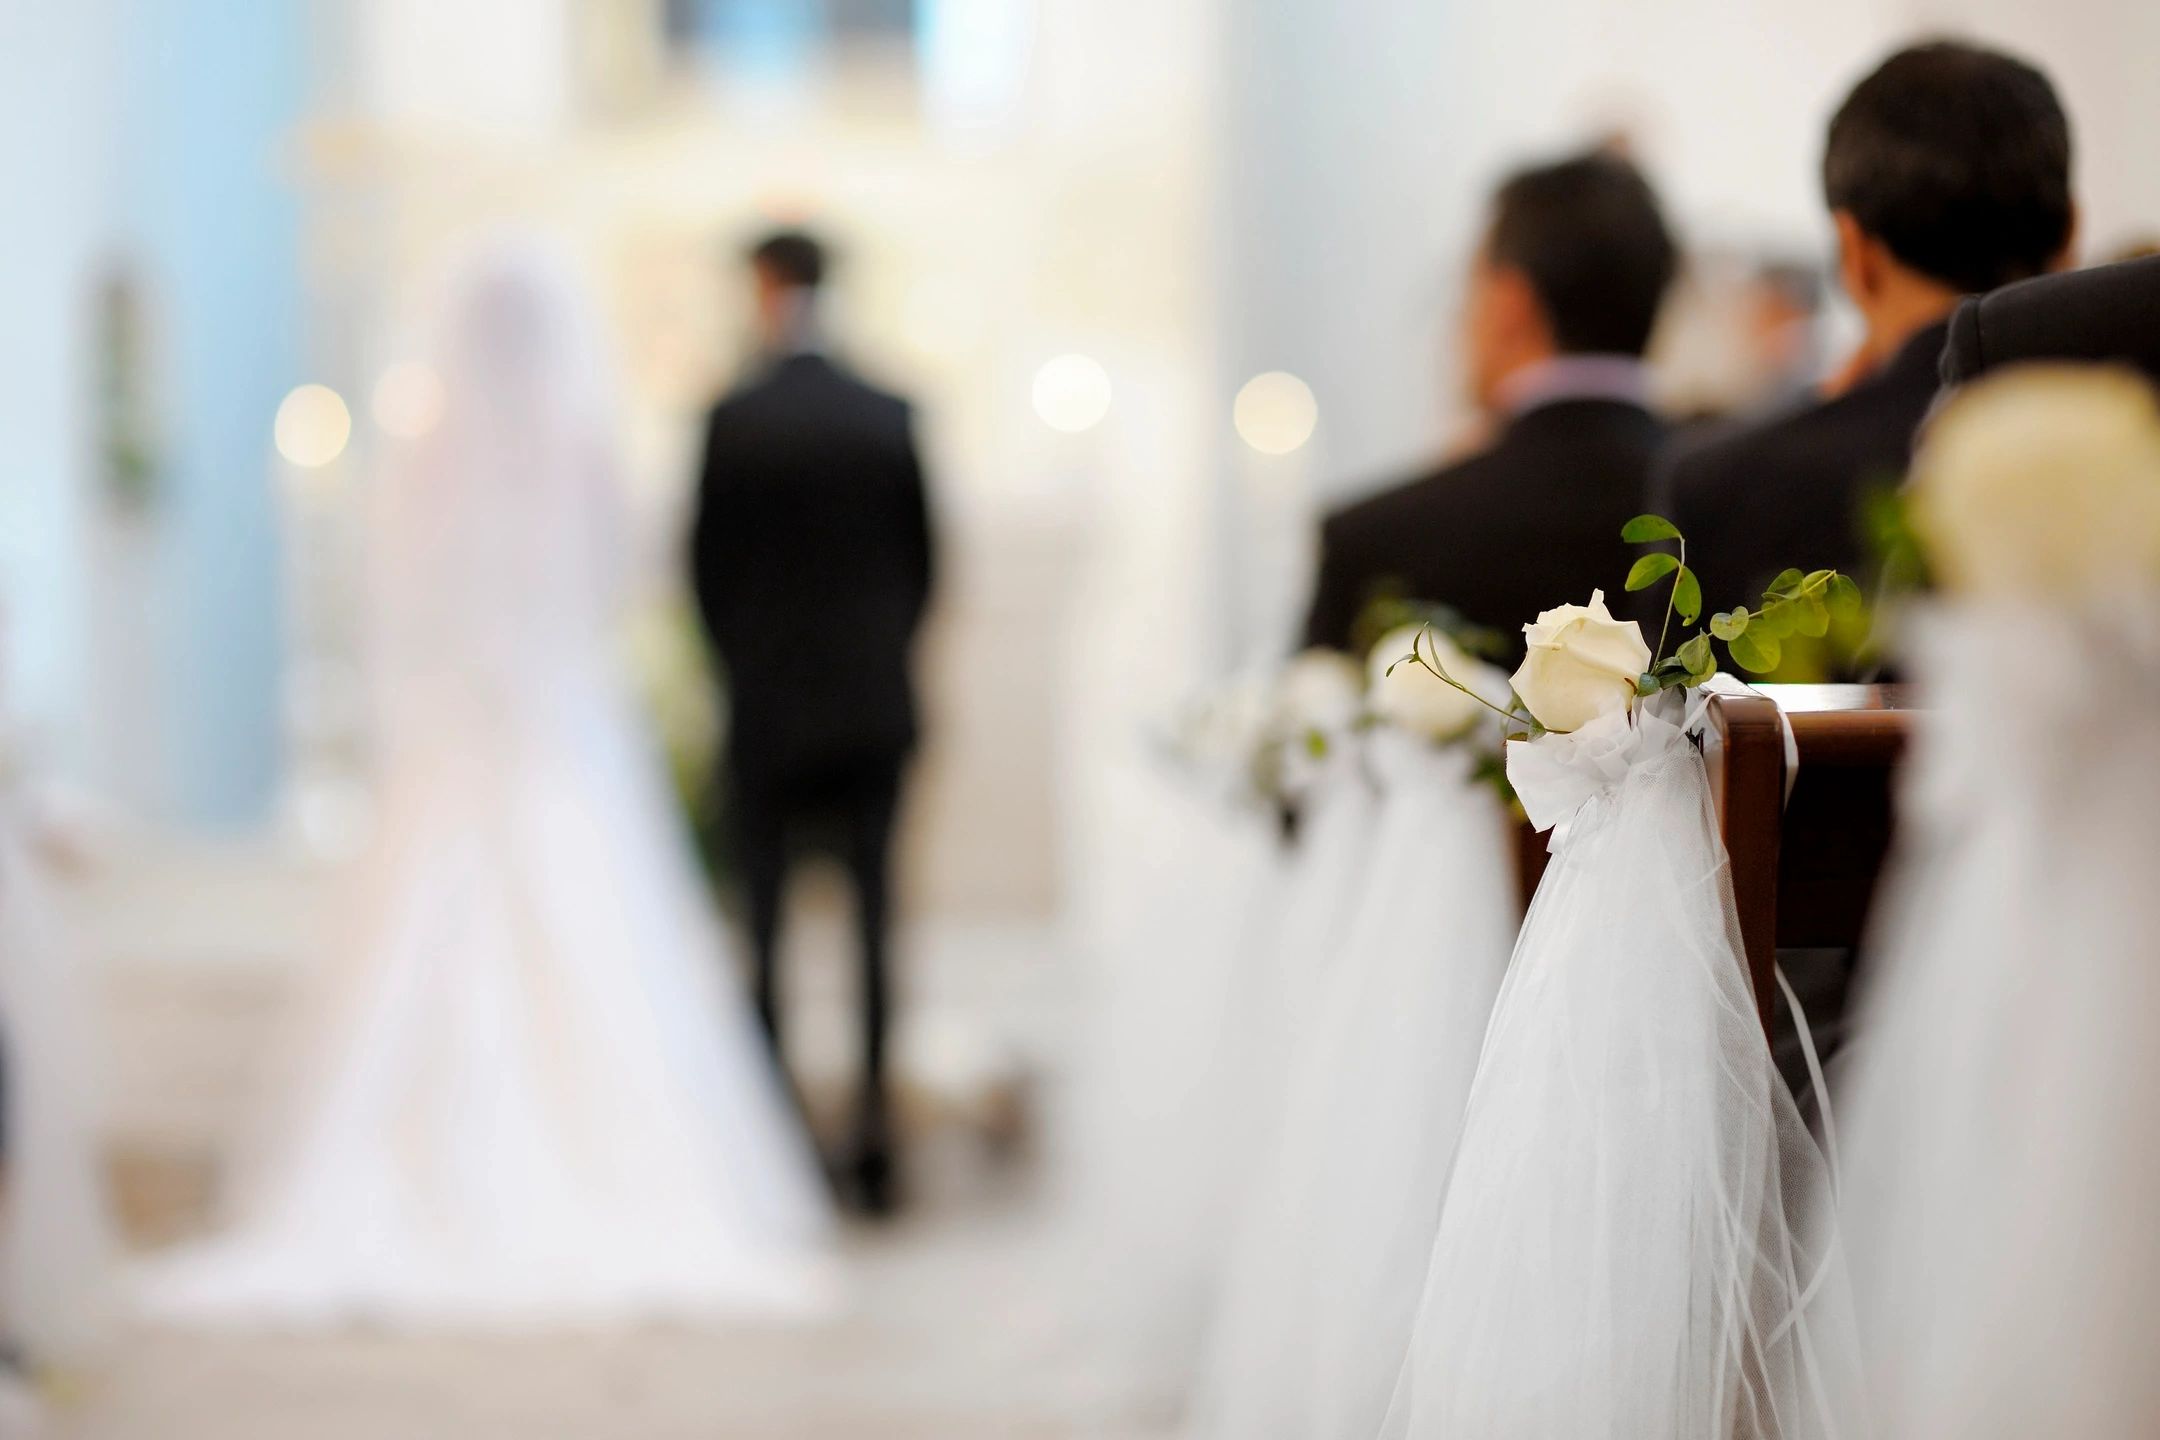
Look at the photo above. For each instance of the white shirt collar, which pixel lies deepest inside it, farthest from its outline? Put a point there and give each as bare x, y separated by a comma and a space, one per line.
1622, 378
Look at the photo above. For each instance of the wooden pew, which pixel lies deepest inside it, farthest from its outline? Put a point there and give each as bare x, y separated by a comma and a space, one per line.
1804, 870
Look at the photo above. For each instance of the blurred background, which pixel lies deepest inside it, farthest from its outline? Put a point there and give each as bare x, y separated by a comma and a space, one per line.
1165, 278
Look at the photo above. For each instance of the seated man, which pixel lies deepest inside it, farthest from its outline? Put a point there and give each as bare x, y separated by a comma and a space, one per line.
1562, 297
1947, 171
2108, 313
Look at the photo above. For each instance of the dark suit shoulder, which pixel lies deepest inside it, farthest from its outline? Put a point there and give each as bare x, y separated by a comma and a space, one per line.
811, 383
1792, 490
1407, 502
1828, 443
2109, 312
1962, 357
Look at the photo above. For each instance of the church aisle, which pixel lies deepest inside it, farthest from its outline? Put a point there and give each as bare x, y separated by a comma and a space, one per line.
949, 1340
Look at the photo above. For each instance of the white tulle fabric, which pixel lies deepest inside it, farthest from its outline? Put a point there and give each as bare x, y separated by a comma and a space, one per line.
528, 1092
1621, 1252
1200, 881
1337, 816
1330, 1255
57, 1247
1203, 1006
2003, 1130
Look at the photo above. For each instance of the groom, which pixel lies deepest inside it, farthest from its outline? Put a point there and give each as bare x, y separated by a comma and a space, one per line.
811, 559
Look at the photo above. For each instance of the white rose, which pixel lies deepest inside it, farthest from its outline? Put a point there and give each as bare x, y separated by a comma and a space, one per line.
1321, 690
2043, 481
1420, 702
1582, 664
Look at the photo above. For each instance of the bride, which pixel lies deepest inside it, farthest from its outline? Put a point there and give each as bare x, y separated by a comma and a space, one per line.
530, 1092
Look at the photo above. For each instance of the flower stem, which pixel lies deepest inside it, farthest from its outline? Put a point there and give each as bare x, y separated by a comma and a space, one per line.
1417, 647
1659, 653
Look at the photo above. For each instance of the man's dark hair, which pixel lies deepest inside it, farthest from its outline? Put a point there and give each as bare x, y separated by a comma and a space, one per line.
1958, 160
793, 257
1588, 235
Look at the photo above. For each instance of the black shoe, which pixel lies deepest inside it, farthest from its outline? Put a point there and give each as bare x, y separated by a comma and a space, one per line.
870, 1173
873, 1182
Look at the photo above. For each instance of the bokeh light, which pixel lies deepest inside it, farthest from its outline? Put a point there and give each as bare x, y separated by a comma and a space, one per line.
1275, 412
312, 426
408, 400
1072, 393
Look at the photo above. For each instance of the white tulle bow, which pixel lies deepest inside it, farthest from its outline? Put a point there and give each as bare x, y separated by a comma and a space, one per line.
1562, 780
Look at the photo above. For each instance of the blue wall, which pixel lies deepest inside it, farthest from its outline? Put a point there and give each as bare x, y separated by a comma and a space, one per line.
219, 87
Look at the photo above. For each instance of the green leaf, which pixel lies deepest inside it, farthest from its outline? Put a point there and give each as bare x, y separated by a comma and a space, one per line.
1645, 528
1786, 585
1730, 624
1647, 685
1775, 620
1844, 598
1813, 619
1687, 596
1651, 569
1755, 651
1695, 656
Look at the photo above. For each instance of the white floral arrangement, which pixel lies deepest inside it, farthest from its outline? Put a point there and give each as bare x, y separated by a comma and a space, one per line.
2042, 483
1269, 738
1214, 739
1590, 675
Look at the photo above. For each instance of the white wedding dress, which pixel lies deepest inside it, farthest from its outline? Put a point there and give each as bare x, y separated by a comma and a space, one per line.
2003, 1135
1622, 1251
1330, 1257
530, 1093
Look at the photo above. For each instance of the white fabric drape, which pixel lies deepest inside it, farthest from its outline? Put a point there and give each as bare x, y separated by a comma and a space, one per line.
2003, 1131
1623, 1250
1330, 1255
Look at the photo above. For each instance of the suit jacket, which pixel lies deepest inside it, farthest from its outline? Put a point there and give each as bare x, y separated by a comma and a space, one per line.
2111, 312
1789, 491
1531, 523
812, 559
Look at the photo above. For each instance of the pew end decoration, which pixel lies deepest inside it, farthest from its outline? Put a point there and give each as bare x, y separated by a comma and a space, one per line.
2002, 1126
1582, 664
1628, 1134
1796, 603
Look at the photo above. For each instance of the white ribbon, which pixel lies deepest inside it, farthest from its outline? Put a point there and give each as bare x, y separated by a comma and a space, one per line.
1731, 685
1563, 780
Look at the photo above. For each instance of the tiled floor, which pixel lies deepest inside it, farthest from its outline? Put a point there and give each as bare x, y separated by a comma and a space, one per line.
958, 1332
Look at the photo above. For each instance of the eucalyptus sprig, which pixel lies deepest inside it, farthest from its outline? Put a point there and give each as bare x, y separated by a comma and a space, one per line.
1797, 603
1686, 593
1516, 712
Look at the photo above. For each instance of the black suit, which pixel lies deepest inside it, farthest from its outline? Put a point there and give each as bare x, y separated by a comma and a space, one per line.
812, 557
2108, 313
1789, 491
1528, 524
